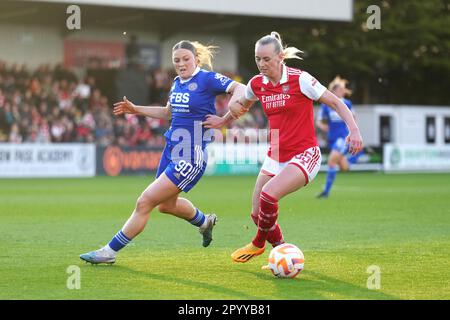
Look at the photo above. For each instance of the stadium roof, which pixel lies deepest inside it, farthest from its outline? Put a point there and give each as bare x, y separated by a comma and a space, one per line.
334, 10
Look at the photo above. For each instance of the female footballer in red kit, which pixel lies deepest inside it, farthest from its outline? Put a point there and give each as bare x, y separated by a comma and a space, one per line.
294, 158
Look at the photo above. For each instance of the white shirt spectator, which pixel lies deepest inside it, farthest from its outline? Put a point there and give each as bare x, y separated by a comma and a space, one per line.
82, 91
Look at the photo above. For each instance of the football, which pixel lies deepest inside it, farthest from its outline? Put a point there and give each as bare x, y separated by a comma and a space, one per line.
286, 261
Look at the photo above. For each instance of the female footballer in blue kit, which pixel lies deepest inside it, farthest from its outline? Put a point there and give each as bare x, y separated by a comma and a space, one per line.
331, 123
184, 158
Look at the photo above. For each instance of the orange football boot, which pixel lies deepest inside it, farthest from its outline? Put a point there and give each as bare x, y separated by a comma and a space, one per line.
244, 254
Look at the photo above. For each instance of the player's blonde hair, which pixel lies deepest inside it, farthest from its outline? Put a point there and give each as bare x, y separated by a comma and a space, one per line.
202, 53
275, 38
339, 82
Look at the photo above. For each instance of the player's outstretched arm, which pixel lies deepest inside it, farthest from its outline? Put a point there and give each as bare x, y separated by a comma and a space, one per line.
240, 107
215, 122
354, 139
237, 90
243, 102
129, 107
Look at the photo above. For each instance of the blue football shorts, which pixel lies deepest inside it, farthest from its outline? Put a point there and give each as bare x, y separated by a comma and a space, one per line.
340, 146
184, 172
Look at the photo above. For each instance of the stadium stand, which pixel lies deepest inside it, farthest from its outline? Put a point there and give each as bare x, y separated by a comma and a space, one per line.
51, 104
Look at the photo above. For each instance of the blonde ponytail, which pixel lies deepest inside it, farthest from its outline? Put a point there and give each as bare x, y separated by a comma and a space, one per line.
205, 54
292, 53
340, 82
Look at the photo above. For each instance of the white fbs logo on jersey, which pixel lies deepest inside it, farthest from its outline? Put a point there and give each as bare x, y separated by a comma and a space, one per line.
178, 97
275, 100
179, 101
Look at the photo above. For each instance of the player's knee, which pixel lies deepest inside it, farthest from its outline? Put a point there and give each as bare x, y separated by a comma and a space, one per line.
165, 208
268, 192
144, 204
332, 163
334, 159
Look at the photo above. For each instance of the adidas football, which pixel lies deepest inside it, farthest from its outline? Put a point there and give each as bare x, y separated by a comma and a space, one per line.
286, 261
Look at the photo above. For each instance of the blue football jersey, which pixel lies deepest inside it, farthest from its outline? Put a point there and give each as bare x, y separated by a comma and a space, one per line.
337, 127
193, 99
185, 158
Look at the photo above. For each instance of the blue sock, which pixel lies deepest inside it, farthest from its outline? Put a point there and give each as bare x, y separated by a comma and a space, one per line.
119, 241
198, 219
331, 175
353, 159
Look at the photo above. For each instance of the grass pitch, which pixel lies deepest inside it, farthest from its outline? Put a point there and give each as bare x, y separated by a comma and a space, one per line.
400, 223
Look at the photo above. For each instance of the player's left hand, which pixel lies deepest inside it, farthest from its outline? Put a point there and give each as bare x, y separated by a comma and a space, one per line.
213, 122
237, 110
354, 142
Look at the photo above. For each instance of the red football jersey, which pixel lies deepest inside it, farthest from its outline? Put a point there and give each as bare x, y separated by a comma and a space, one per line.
289, 109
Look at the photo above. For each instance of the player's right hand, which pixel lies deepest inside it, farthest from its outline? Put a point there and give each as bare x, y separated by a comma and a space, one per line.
124, 106
213, 122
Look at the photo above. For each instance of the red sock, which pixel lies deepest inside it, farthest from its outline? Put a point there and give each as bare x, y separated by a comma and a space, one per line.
267, 218
275, 237
255, 218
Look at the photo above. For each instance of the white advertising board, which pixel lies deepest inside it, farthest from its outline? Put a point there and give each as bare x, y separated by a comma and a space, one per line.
403, 157
47, 160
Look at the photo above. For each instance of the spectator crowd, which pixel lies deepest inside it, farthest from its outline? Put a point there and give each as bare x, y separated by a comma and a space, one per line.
51, 104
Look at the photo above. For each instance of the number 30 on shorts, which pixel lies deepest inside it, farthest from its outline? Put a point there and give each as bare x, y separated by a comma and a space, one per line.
184, 168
